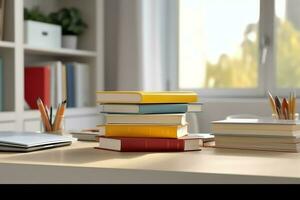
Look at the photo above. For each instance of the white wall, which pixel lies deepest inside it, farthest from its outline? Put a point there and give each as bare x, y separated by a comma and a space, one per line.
219, 109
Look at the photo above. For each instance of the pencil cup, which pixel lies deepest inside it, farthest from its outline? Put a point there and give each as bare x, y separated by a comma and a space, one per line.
57, 127
296, 116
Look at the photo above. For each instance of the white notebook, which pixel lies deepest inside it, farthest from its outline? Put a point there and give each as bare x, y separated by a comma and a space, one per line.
31, 141
164, 119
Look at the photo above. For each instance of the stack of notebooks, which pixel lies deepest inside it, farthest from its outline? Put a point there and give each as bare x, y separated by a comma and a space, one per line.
258, 134
148, 121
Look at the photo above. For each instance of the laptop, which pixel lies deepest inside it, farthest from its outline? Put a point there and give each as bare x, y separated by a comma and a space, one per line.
32, 141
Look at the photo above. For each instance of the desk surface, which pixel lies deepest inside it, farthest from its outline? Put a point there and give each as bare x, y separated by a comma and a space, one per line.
82, 163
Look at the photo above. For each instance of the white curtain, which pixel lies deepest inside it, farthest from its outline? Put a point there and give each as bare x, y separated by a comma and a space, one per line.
136, 44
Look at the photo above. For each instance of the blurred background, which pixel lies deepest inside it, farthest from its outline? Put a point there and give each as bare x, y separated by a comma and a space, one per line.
230, 53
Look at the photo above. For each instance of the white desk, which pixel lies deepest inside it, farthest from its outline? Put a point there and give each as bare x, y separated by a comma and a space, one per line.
81, 163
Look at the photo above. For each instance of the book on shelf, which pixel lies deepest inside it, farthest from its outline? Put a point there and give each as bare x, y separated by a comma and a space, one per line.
142, 97
191, 142
150, 108
1, 85
160, 119
56, 82
37, 85
78, 79
82, 86
266, 127
143, 130
2, 17
70, 85
64, 82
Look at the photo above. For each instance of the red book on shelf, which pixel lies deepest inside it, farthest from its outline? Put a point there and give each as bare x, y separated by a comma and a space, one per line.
37, 85
187, 143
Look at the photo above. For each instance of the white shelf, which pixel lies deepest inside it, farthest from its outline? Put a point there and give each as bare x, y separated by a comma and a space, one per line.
70, 112
6, 44
7, 116
59, 52
16, 54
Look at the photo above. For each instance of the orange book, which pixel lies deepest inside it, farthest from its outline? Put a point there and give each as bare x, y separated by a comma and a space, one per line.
148, 131
142, 97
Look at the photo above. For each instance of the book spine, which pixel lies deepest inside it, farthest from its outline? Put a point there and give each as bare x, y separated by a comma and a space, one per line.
151, 145
82, 88
149, 131
64, 82
168, 98
37, 85
1, 84
59, 85
53, 84
167, 108
155, 119
70, 85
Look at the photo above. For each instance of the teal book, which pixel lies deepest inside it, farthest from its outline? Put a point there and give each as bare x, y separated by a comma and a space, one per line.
150, 108
1, 84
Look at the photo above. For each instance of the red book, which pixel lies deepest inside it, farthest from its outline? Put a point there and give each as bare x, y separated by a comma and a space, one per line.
190, 142
37, 85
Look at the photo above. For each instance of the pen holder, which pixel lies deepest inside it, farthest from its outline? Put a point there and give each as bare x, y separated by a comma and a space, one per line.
58, 127
296, 117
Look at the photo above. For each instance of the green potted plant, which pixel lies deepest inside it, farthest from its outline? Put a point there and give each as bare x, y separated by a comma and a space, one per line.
72, 25
35, 14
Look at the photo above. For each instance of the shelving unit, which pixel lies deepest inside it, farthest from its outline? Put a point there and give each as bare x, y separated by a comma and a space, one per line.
59, 52
5, 44
16, 55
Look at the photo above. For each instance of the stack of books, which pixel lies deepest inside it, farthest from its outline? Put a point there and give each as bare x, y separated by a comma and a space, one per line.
148, 121
258, 134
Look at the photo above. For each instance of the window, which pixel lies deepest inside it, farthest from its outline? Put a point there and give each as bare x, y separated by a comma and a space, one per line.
288, 43
227, 48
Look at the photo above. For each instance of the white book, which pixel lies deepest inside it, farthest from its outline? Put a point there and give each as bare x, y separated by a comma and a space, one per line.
150, 108
256, 127
82, 86
86, 135
286, 147
256, 139
166, 119
59, 82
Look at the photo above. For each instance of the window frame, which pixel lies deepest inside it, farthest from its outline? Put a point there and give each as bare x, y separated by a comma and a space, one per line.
266, 70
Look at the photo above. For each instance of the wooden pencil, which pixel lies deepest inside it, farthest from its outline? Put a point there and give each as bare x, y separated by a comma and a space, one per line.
44, 116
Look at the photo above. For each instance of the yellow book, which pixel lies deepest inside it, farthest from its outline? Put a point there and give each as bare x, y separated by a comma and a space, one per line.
141, 97
149, 131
